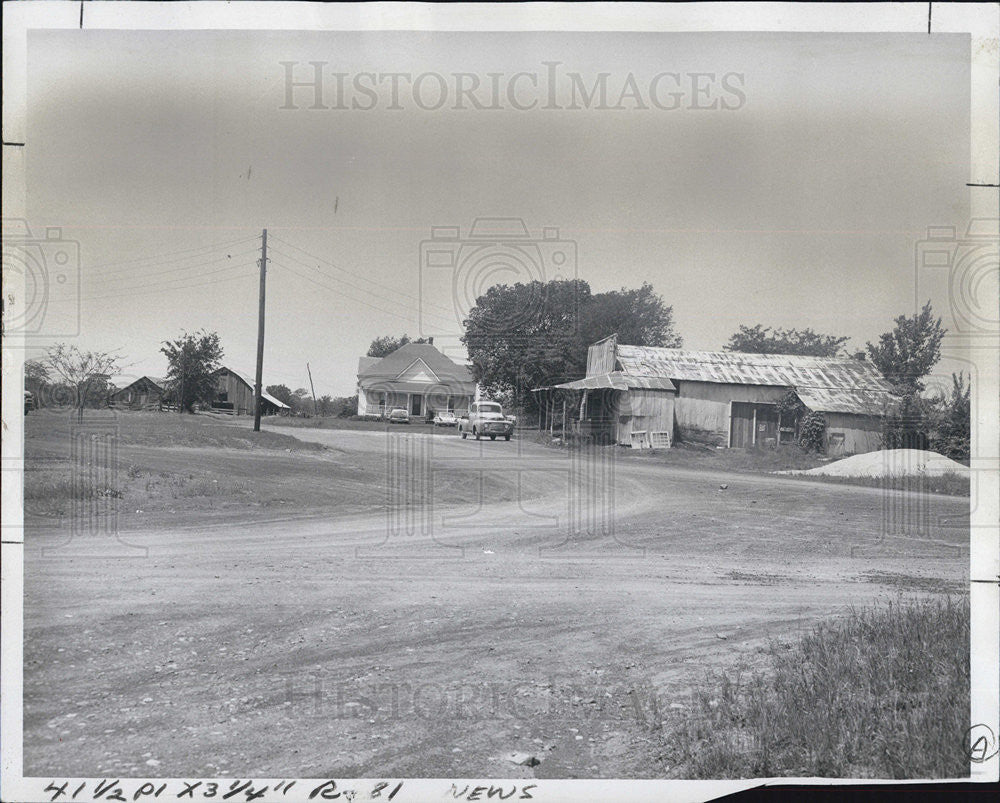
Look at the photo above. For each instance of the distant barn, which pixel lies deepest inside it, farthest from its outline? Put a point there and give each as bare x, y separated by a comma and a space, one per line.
234, 394
642, 396
146, 393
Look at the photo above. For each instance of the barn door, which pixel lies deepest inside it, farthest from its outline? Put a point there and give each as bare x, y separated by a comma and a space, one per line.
741, 426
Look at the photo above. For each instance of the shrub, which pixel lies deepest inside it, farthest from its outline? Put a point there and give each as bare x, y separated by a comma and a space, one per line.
812, 433
883, 692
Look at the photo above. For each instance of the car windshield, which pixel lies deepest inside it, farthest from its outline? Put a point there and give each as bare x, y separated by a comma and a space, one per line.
489, 408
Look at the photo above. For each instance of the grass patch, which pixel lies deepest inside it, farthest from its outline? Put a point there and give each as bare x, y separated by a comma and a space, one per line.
881, 693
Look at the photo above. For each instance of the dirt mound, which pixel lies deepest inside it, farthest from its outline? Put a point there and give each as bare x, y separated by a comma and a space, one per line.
889, 463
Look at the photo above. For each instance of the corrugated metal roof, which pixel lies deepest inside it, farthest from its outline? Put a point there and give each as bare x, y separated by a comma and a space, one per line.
618, 381
825, 384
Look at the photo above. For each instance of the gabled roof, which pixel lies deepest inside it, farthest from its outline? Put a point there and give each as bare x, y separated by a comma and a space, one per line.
250, 381
825, 384
160, 382
395, 366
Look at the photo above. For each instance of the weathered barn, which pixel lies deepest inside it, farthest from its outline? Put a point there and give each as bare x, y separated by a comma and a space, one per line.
235, 394
146, 393
729, 398
416, 377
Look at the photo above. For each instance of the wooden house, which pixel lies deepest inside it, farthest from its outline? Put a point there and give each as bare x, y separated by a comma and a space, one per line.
145, 393
416, 377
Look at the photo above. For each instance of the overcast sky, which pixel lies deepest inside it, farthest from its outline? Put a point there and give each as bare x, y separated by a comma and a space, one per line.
796, 201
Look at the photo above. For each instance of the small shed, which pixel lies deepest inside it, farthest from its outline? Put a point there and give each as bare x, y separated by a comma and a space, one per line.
234, 394
145, 393
615, 408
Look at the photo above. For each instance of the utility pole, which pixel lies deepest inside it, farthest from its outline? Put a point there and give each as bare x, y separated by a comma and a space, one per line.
313, 389
260, 335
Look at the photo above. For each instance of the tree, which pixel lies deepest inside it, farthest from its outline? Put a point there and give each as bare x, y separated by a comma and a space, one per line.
84, 372
951, 427
639, 317
36, 380
765, 340
908, 353
528, 335
281, 392
324, 405
192, 361
382, 346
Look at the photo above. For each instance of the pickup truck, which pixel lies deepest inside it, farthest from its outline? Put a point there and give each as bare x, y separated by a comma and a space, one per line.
485, 418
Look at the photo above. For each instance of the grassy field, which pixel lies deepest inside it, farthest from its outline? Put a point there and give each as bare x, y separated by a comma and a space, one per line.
883, 692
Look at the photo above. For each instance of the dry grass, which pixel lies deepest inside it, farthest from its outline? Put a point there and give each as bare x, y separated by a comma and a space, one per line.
883, 692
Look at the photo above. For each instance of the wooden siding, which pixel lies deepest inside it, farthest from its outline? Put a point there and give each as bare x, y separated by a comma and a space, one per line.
234, 395
642, 413
703, 409
848, 434
601, 357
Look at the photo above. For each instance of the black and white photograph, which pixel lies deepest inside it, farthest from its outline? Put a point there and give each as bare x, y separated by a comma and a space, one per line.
498, 401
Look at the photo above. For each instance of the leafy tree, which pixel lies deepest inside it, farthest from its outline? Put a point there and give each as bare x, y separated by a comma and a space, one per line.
282, 393
907, 424
36, 380
383, 346
192, 361
908, 353
765, 340
528, 335
86, 373
325, 406
639, 317
952, 421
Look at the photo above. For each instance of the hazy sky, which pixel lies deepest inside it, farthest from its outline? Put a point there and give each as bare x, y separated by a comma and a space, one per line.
800, 204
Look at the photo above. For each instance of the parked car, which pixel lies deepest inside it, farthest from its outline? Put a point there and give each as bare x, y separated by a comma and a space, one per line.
399, 416
485, 418
445, 418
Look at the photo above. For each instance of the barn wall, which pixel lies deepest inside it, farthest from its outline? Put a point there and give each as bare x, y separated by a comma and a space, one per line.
859, 433
601, 357
702, 408
645, 411
238, 393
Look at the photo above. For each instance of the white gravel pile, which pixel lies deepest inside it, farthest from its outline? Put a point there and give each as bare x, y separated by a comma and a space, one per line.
890, 463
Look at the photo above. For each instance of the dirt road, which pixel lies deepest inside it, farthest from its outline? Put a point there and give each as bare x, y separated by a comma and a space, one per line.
507, 597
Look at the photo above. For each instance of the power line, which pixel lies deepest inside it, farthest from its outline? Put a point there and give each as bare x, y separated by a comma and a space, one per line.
380, 286
131, 271
308, 278
141, 292
411, 309
160, 257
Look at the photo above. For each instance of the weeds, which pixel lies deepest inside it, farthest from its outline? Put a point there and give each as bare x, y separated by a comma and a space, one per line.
883, 692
